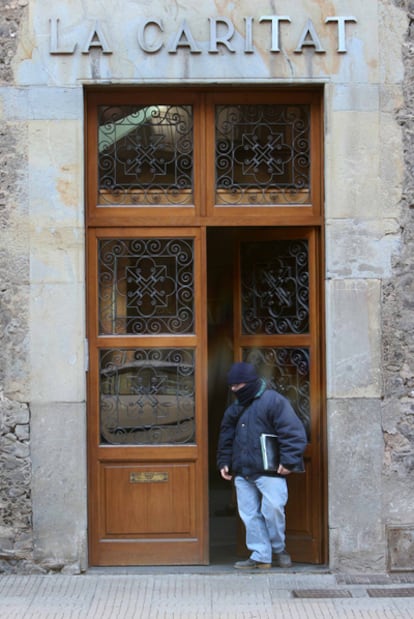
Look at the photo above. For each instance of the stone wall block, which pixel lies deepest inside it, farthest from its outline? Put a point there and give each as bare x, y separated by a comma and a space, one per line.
34, 65
57, 255
354, 98
352, 164
59, 479
355, 449
41, 103
55, 160
360, 248
353, 338
57, 355
392, 24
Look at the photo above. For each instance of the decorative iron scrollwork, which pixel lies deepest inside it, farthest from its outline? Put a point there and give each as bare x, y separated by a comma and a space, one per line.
147, 396
262, 154
287, 371
145, 154
275, 287
146, 286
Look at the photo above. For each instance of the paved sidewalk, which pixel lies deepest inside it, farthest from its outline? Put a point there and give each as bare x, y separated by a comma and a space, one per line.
219, 594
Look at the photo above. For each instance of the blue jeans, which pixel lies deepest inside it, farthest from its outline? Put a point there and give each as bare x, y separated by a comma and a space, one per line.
261, 504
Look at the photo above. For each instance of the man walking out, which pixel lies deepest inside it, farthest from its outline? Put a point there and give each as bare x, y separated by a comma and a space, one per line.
261, 495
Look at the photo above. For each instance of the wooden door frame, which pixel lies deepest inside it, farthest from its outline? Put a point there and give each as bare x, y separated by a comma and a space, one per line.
202, 215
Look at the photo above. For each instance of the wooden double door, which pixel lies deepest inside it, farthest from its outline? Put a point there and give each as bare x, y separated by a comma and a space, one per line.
175, 295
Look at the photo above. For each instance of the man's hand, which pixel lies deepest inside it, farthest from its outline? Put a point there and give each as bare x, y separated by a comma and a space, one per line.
282, 471
224, 472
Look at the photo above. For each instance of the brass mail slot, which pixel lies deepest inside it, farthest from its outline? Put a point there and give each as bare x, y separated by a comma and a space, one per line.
145, 477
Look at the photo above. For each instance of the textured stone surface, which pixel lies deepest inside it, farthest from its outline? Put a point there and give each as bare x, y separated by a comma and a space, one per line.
59, 480
16, 540
16, 536
353, 338
11, 13
14, 260
128, 62
398, 336
355, 512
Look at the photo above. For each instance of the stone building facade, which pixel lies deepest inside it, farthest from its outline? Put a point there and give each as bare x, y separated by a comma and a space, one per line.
366, 71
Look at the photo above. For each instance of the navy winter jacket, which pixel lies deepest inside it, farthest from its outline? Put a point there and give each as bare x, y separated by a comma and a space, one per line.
239, 439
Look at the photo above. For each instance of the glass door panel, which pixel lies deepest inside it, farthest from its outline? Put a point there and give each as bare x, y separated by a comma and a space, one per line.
145, 154
147, 396
146, 419
262, 154
146, 286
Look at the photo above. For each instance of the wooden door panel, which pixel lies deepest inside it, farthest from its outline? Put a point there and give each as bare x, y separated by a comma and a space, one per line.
299, 507
148, 495
147, 500
151, 552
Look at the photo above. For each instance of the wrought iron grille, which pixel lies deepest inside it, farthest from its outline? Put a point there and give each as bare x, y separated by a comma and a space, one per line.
275, 287
287, 371
262, 154
147, 396
145, 154
146, 286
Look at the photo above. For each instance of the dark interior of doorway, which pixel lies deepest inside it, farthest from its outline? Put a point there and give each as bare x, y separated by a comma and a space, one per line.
224, 522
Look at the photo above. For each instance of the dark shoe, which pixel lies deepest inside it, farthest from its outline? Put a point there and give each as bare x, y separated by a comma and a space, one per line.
251, 564
282, 559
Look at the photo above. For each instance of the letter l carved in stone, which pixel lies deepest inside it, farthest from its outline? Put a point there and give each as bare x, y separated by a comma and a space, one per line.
54, 39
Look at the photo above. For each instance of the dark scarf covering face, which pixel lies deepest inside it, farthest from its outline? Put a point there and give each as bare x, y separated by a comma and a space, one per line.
246, 394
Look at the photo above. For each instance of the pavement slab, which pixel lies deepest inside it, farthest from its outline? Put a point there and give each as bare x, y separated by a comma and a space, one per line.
227, 595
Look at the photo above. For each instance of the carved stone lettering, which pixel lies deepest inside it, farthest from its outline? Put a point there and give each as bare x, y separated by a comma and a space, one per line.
152, 37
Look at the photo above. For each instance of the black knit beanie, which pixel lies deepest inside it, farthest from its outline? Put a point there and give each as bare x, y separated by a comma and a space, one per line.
241, 372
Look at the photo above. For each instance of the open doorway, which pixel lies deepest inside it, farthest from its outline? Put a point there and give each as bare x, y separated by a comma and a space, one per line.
263, 308
220, 276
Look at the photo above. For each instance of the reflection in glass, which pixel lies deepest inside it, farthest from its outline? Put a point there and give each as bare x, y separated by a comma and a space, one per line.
147, 396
